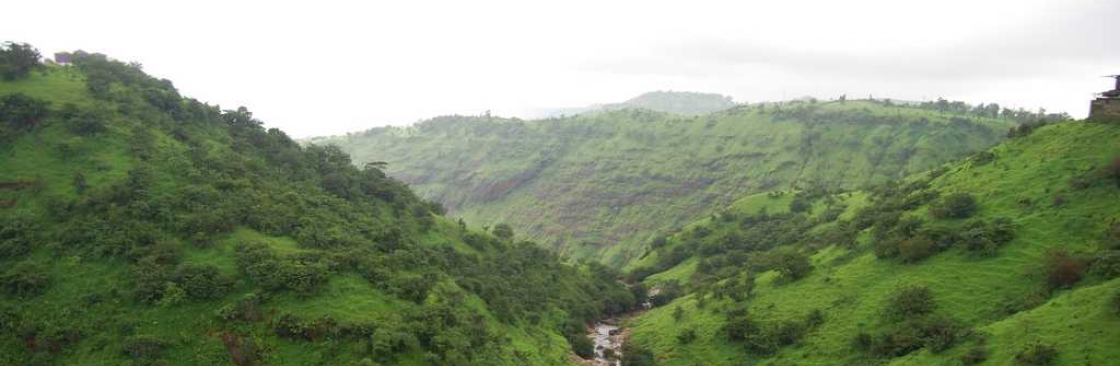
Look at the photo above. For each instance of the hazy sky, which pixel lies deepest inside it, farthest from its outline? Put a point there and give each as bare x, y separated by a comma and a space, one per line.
329, 67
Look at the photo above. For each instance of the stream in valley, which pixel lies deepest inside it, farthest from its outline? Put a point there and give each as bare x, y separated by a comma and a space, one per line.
608, 335
608, 344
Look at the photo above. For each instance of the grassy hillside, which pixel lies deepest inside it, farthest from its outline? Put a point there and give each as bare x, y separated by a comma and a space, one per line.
138, 227
599, 185
1011, 256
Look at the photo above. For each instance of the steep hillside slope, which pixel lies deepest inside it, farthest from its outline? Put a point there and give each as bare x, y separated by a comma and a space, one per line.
138, 227
1011, 256
600, 184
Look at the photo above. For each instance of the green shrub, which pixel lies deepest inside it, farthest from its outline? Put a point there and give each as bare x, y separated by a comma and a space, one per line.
815, 318
412, 287
25, 279
202, 282
289, 326
954, 206
15, 237
687, 336
303, 275
974, 355
84, 122
985, 238
885, 248
786, 333
897, 339
19, 112
909, 302
792, 265
1037, 354
582, 346
799, 204
917, 248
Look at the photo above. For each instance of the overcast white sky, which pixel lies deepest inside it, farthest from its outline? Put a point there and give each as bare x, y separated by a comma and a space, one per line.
329, 67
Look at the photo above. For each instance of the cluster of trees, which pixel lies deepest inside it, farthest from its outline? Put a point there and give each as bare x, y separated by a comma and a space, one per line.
912, 239
765, 338
17, 60
20, 113
993, 110
910, 324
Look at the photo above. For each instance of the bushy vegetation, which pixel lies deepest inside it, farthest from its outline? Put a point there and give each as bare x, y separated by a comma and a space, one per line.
1037, 354
955, 206
1063, 270
243, 246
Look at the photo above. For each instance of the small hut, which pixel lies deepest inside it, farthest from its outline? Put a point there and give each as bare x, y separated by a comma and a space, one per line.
1108, 105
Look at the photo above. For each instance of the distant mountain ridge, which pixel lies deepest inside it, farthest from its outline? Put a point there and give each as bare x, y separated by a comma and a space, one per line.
678, 102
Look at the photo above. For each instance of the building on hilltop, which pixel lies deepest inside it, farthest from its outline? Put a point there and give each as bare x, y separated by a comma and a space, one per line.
1108, 105
62, 58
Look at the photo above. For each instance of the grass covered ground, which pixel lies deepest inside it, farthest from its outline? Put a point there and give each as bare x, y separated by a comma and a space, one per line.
1049, 184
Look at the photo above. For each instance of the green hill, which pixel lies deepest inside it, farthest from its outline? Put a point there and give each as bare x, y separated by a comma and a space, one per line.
678, 102
600, 185
138, 227
686, 103
1011, 256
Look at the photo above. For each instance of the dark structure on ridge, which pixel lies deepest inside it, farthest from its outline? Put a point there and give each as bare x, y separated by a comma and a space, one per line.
1108, 105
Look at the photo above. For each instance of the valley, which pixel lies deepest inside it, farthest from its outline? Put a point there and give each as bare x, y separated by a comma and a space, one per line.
139, 226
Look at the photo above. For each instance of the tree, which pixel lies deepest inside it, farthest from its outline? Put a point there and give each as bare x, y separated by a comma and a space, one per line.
956, 206
1037, 354
909, 302
17, 60
917, 248
792, 265
502, 231
202, 282
84, 122
19, 112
